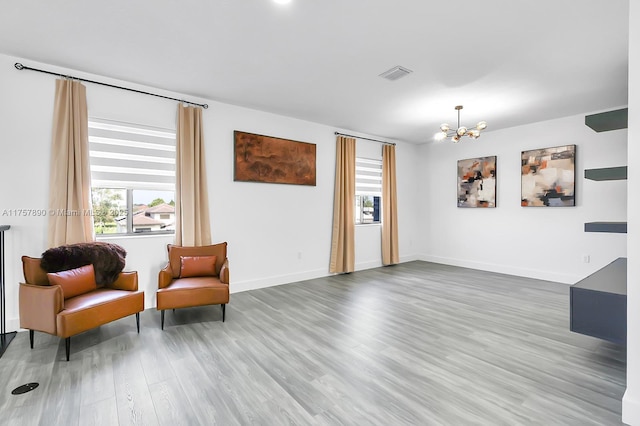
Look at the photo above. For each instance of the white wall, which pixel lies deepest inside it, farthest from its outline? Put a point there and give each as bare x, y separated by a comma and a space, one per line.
631, 400
545, 243
276, 233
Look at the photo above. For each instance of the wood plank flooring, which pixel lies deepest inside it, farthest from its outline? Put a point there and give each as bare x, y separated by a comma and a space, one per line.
417, 343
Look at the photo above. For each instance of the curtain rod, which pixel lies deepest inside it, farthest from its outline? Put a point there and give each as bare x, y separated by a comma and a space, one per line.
19, 66
359, 137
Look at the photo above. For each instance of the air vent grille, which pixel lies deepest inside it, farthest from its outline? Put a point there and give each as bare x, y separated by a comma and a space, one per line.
395, 73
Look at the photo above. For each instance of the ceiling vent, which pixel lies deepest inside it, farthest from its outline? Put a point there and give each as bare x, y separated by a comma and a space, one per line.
395, 73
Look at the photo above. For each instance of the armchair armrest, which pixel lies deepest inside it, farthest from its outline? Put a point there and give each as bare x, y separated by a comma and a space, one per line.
165, 276
126, 281
39, 306
224, 272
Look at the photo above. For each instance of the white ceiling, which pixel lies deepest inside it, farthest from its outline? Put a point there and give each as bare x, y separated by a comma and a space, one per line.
508, 62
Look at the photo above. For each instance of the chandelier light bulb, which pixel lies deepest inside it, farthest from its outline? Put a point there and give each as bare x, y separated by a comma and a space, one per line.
461, 131
445, 127
481, 125
440, 136
455, 138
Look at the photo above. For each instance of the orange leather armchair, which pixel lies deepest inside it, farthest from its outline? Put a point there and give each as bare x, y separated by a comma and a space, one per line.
193, 277
45, 306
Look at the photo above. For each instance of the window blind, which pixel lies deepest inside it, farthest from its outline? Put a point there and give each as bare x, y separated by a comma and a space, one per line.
368, 176
131, 156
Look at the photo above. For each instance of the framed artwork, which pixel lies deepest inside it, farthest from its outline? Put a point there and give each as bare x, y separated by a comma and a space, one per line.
548, 177
477, 182
269, 159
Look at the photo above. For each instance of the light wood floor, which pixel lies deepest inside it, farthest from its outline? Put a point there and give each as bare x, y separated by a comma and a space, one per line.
417, 343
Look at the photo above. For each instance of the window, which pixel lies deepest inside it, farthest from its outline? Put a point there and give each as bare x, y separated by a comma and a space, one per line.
368, 190
132, 178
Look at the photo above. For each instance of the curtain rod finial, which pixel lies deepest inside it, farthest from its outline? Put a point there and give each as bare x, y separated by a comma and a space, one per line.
18, 66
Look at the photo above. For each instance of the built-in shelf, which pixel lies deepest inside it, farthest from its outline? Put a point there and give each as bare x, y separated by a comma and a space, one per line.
612, 227
608, 173
610, 120
598, 303
603, 174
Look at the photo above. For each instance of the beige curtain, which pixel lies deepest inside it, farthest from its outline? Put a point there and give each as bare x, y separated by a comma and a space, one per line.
390, 254
343, 236
192, 200
70, 220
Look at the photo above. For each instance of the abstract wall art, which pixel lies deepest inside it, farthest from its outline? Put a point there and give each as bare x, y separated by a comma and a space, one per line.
477, 182
269, 159
548, 177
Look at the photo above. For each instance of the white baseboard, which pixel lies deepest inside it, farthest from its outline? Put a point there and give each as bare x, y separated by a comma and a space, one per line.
13, 324
239, 286
362, 266
505, 269
409, 258
630, 409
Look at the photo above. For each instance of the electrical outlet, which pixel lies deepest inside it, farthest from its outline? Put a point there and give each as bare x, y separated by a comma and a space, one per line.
586, 258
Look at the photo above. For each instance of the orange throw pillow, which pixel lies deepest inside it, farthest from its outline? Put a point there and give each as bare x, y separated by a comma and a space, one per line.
197, 266
74, 282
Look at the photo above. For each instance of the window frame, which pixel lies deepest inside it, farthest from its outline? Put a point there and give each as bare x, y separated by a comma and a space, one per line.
123, 129
367, 177
129, 217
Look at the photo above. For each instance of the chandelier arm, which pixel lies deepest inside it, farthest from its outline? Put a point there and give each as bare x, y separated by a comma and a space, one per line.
472, 132
455, 132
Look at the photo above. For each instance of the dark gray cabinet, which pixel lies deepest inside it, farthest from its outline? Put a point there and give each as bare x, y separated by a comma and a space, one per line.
598, 303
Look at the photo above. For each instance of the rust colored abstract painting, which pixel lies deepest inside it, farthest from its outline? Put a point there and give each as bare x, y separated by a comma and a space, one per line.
477, 182
548, 177
269, 159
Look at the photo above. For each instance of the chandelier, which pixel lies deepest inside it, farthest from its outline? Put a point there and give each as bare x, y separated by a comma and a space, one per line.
455, 134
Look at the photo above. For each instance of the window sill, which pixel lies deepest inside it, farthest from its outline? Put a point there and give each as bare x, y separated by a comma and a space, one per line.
368, 224
132, 236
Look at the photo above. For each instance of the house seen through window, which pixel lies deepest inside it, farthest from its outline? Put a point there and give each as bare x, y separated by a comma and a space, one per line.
132, 178
368, 190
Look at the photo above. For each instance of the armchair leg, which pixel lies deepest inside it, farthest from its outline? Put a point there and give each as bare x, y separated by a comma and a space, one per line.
138, 321
67, 346
162, 320
31, 332
224, 305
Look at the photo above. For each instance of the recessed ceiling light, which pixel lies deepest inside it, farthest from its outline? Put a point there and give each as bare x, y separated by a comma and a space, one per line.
282, 1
